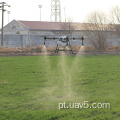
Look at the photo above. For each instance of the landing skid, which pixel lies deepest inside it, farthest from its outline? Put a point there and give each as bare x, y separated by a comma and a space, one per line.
64, 49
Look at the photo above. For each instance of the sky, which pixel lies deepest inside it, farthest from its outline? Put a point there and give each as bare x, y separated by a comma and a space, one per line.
75, 9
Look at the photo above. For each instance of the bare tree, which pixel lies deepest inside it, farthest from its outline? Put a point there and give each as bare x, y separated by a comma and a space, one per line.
115, 20
68, 27
96, 25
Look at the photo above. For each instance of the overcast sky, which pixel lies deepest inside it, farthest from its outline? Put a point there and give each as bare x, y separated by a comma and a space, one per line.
76, 9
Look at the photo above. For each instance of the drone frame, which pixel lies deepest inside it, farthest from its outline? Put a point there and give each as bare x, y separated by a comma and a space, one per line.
67, 43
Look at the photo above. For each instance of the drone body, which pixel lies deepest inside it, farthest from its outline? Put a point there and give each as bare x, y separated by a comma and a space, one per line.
63, 38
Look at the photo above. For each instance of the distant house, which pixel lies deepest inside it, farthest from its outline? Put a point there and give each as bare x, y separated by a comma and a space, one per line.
40, 28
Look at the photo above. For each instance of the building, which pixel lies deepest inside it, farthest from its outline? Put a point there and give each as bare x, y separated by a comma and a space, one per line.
40, 28
31, 33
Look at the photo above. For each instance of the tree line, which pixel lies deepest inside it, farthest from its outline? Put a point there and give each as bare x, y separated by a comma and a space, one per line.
98, 24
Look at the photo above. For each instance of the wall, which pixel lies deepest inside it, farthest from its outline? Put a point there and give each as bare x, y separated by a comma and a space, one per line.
14, 41
14, 27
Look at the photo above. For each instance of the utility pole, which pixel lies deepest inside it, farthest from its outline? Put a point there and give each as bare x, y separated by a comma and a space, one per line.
40, 6
2, 5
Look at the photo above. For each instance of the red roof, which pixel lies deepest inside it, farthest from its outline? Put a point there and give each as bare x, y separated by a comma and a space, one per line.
40, 25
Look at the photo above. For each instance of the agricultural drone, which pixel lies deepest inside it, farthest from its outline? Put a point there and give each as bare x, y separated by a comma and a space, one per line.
63, 43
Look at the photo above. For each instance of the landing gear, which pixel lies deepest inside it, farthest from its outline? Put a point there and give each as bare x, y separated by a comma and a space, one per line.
66, 49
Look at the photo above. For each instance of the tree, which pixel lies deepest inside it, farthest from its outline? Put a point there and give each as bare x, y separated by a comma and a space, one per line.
115, 20
68, 27
96, 25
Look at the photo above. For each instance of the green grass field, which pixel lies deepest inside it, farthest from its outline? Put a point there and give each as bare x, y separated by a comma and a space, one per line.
32, 87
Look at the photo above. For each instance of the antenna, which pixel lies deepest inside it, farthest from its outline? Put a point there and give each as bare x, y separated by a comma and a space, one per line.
55, 11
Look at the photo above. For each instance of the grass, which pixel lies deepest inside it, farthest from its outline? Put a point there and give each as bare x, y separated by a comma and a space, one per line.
32, 87
38, 49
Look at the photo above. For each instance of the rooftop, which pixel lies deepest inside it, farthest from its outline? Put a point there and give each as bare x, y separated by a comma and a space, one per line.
41, 25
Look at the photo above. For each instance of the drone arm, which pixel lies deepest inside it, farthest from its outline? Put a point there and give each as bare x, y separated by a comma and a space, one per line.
67, 39
82, 38
53, 38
